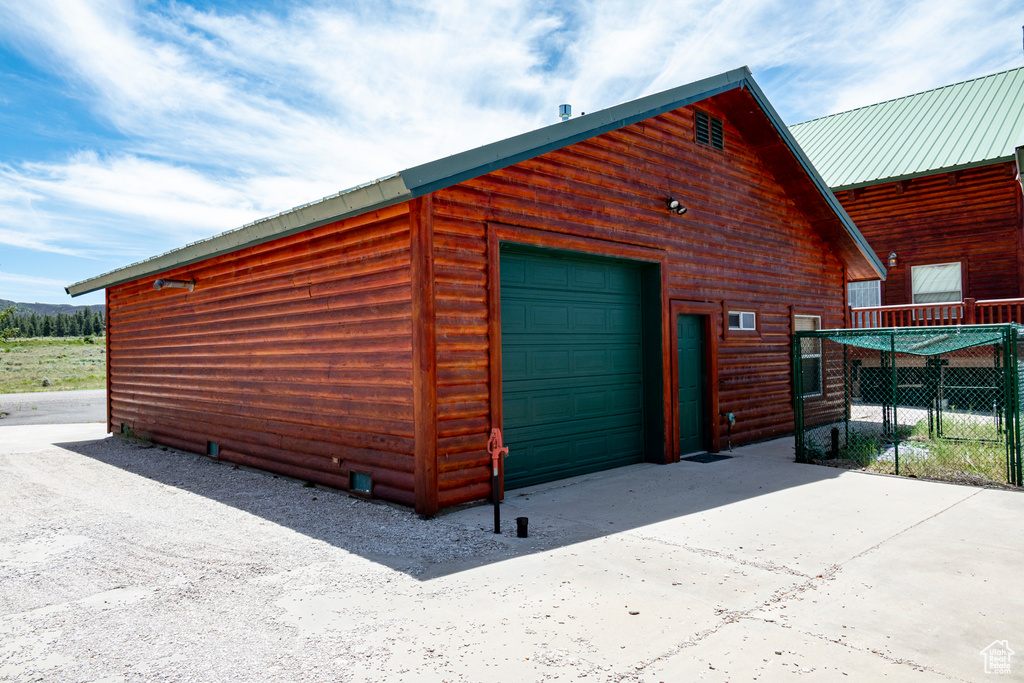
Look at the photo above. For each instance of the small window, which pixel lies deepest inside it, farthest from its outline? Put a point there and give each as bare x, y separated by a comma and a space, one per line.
936, 283
865, 294
810, 354
742, 320
709, 130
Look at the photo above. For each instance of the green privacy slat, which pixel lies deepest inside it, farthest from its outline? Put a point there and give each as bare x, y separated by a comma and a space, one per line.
919, 341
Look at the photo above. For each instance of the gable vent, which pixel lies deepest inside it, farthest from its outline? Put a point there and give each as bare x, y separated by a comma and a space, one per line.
709, 130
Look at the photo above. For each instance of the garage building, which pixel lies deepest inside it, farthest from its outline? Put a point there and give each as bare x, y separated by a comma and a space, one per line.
605, 290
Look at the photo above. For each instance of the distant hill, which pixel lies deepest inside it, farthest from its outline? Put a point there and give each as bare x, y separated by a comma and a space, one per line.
47, 309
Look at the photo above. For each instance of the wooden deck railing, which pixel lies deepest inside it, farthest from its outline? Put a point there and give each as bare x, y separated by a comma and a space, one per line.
966, 312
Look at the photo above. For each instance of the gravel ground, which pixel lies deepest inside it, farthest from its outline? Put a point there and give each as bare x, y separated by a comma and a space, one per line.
123, 561
132, 563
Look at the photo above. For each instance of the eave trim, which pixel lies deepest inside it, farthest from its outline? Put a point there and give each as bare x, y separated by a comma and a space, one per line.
924, 174
436, 175
359, 200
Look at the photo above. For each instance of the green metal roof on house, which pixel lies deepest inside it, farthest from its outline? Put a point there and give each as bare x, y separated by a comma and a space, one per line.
973, 123
436, 175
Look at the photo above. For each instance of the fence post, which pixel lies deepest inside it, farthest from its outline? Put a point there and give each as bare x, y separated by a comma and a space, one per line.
895, 393
798, 408
969, 310
1012, 368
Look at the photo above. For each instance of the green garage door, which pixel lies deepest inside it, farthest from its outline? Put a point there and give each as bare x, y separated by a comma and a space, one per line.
571, 358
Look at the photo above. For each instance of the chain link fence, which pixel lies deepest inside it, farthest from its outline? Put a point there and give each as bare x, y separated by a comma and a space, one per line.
935, 402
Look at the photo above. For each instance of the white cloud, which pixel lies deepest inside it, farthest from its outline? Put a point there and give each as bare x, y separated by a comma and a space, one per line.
225, 116
161, 195
18, 279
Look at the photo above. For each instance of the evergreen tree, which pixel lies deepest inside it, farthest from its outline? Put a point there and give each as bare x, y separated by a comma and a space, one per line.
7, 320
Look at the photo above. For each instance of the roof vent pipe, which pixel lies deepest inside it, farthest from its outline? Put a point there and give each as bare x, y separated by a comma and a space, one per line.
190, 285
565, 111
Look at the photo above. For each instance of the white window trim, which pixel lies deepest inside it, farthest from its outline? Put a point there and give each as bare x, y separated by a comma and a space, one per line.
818, 355
741, 314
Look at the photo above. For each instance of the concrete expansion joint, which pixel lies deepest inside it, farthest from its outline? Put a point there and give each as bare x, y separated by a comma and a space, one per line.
727, 616
797, 589
874, 651
707, 552
914, 526
828, 574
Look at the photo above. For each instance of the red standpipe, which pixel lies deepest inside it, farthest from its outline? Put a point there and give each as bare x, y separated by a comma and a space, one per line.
496, 450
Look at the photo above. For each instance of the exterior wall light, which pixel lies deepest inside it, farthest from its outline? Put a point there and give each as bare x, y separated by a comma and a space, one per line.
892, 259
675, 207
190, 285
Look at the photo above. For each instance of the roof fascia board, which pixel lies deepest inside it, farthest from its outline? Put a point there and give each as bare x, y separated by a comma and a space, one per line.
359, 200
819, 182
923, 174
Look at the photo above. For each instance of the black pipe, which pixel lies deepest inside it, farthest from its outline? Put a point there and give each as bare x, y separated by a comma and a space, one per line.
495, 498
521, 526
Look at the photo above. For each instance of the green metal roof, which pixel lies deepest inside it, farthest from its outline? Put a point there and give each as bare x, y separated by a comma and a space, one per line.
436, 175
973, 123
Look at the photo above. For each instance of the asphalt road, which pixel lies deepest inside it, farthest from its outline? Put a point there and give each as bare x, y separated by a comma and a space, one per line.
53, 407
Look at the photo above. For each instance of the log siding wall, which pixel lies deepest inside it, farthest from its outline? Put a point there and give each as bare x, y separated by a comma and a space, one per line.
290, 355
369, 341
742, 241
972, 216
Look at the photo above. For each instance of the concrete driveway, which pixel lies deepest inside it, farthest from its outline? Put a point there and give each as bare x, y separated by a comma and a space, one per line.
123, 561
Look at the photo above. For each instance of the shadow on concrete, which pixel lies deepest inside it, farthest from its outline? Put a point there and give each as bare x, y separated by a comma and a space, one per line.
560, 513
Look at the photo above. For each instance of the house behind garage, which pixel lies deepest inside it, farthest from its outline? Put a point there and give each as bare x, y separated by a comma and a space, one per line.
932, 181
541, 285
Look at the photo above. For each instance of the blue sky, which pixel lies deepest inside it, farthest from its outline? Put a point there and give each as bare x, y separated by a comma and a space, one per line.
131, 128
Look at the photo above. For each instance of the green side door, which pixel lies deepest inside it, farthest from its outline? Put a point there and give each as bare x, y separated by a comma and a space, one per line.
571, 354
691, 383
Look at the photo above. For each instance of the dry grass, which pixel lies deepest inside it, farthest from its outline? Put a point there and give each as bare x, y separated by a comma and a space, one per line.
971, 450
52, 364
